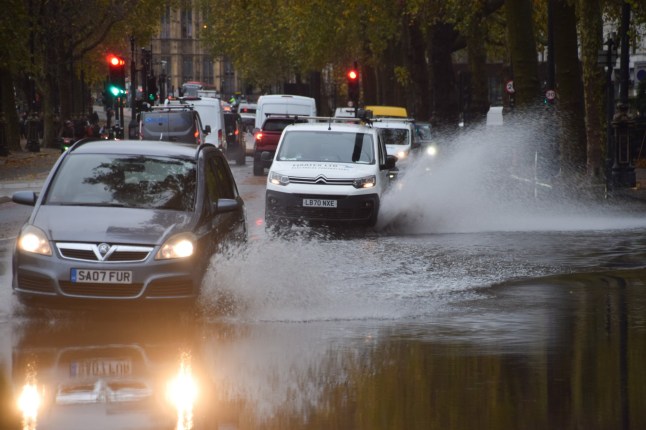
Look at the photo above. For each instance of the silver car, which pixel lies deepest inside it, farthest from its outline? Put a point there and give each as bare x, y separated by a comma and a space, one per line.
126, 221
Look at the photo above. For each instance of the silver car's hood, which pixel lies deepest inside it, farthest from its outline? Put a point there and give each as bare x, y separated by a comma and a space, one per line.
111, 225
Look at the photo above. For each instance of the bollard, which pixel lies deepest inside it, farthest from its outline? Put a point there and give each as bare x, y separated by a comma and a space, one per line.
33, 144
623, 171
4, 148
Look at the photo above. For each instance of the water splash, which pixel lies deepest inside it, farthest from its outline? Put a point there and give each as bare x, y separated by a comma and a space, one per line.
495, 179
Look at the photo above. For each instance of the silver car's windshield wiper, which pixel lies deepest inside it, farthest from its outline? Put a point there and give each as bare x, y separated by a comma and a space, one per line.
97, 204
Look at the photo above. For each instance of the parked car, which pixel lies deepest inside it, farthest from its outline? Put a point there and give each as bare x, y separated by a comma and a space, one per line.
126, 221
236, 144
331, 172
173, 124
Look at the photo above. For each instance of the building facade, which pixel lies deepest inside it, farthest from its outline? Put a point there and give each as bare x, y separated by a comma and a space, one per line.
181, 56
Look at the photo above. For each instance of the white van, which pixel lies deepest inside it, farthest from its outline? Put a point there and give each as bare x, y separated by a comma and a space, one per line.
282, 104
327, 172
211, 114
399, 136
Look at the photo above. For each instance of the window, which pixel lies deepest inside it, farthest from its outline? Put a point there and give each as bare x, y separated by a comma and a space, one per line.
187, 68
165, 24
124, 181
346, 147
187, 22
207, 69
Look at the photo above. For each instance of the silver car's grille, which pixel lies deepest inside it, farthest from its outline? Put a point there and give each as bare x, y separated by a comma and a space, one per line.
103, 252
320, 180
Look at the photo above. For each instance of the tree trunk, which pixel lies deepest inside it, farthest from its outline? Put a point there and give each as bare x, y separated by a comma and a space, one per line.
569, 108
479, 104
591, 25
444, 106
419, 89
522, 49
12, 124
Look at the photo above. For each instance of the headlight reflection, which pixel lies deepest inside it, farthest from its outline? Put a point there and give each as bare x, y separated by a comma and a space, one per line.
182, 393
29, 401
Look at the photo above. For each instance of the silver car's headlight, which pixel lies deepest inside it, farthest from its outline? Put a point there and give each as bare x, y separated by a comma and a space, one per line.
366, 182
179, 246
32, 239
278, 179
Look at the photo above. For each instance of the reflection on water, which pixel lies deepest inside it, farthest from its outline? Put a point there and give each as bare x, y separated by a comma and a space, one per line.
560, 352
182, 393
29, 400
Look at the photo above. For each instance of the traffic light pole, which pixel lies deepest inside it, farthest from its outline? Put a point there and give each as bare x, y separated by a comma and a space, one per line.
132, 127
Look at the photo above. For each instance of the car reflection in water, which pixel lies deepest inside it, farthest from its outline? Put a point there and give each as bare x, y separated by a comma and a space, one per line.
103, 385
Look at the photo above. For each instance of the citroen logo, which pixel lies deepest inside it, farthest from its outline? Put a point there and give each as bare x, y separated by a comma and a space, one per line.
320, 179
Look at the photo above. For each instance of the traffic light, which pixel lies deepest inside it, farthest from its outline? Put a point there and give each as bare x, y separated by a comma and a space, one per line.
151, 89
353, 86
116, 75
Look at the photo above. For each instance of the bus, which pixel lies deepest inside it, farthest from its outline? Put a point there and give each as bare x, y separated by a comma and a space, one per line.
191, 89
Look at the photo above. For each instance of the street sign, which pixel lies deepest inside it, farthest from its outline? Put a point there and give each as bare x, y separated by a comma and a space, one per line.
509, 87
550, 95
640, 71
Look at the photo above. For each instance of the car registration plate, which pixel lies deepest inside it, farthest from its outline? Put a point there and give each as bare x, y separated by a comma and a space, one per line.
97, 367
101, 276
319, 203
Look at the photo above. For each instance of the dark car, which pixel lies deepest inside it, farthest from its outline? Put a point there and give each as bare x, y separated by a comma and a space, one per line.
266, 140
236, 145
173, 124
126, 221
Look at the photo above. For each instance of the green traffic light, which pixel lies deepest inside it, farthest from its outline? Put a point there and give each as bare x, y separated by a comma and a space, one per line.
116, 91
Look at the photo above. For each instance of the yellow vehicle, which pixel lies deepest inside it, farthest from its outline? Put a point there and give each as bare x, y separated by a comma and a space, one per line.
388, 111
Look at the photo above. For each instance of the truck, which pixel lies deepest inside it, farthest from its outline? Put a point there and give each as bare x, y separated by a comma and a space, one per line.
273, 113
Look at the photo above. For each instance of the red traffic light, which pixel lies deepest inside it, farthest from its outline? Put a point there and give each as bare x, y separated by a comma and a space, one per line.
353, 75
115, 61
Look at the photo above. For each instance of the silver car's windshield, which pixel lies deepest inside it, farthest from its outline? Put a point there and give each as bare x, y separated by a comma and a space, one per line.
124, 181
342, 147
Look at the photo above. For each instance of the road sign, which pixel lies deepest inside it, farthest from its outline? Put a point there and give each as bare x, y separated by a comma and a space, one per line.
509, 87
550, 95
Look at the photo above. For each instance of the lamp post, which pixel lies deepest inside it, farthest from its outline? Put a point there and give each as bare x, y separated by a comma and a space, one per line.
623, 172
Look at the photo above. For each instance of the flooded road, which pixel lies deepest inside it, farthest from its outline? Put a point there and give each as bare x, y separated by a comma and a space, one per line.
471, 314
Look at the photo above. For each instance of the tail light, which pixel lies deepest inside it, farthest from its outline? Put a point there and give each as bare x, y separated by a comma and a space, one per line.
220, 135
259, 136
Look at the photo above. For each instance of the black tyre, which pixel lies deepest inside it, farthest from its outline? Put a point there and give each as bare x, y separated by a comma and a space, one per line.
258, 169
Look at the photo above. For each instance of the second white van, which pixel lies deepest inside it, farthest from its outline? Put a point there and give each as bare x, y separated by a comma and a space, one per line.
283, 104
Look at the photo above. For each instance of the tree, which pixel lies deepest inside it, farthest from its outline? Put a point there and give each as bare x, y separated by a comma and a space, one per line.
569, 109
522, 52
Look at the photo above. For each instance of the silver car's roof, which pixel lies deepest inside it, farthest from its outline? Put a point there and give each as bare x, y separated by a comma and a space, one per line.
137, 147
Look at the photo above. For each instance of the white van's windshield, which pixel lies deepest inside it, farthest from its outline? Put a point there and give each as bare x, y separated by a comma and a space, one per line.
323, 146
395, 136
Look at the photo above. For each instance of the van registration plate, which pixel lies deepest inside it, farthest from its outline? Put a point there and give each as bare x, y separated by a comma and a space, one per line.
319, 203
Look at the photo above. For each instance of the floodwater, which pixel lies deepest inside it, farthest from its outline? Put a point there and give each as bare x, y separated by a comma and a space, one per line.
477, 303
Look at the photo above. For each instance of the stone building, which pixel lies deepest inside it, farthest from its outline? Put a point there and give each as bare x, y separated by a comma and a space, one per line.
181, 56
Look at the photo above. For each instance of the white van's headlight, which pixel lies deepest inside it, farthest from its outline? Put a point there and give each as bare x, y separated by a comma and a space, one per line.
278, 179
32, 239
431, 150
179, 246
367, 182
401, 155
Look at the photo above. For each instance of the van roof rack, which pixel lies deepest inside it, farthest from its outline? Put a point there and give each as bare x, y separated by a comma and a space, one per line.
170, 107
